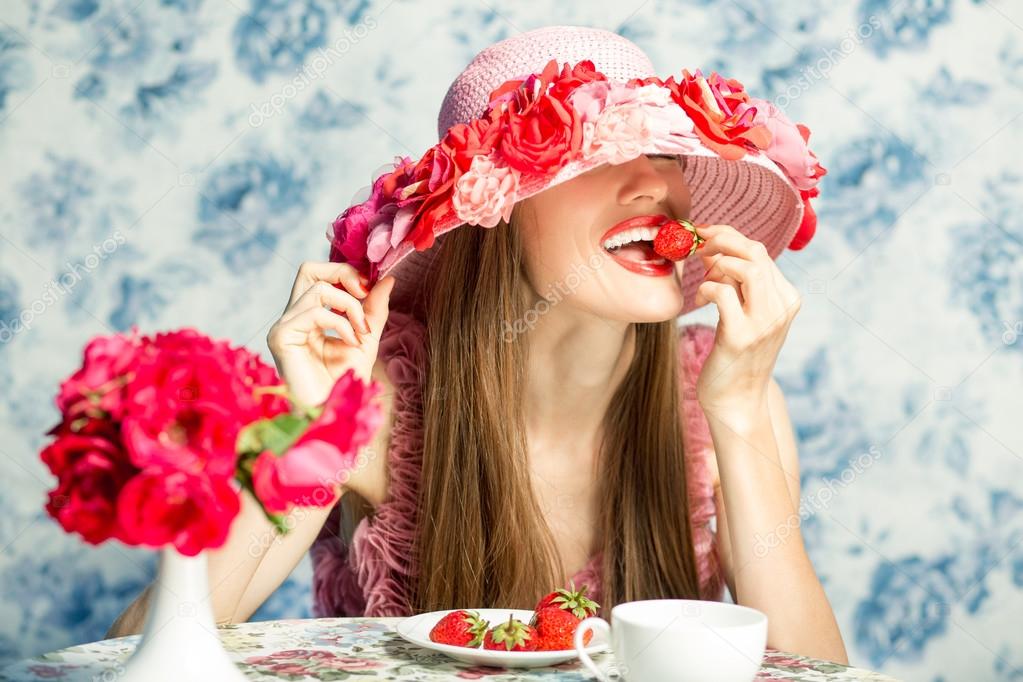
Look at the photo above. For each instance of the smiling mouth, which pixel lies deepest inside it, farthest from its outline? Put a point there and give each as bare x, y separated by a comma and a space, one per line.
632, 240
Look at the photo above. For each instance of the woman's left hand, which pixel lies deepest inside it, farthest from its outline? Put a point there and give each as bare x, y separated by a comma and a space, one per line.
756, 306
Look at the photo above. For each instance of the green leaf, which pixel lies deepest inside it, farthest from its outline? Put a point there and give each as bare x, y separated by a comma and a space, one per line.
277, 434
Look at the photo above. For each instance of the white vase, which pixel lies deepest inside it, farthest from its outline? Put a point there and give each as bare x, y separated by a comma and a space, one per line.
180, 641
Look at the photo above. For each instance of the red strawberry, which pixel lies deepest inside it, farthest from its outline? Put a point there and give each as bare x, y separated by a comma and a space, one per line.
677, 239
556, 629
513, 635
571, 599
460, 628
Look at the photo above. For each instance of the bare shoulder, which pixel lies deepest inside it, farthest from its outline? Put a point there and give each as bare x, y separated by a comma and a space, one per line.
369, 479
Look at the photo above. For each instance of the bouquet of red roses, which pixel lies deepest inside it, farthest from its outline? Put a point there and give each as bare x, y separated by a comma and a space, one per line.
159, 435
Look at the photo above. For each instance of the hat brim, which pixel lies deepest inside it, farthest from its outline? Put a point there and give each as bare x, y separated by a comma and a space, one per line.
751, 194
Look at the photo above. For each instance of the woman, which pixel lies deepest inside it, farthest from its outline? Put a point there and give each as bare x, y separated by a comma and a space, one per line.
547, 419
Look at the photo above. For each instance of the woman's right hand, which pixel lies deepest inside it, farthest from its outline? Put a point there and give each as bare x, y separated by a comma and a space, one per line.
308, 360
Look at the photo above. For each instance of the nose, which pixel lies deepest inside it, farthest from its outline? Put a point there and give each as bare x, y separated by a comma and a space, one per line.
641, 181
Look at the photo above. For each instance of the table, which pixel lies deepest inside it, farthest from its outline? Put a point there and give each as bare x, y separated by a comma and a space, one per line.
362, 648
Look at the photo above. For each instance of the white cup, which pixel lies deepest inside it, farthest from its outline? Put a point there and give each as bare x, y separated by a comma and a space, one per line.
681, 640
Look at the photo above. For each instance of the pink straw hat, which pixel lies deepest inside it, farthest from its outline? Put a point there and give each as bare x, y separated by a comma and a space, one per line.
540, 108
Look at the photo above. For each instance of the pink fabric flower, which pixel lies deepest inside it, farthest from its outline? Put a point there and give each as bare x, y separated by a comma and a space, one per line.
350, 231
788, 149
412, 189
486, 193
621, 121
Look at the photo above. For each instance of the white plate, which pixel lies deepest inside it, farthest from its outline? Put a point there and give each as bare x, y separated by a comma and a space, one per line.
416, 629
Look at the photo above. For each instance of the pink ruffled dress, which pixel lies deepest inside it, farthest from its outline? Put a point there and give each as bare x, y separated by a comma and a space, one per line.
372, 575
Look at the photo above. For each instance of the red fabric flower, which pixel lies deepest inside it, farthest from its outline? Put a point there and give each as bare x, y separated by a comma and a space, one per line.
422, 193
542, 132
465, 140
571, 78
193, 512
715, 106
91, 470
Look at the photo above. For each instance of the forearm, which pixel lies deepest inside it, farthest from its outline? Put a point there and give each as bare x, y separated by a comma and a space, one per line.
230, 569
133, 619
780, 582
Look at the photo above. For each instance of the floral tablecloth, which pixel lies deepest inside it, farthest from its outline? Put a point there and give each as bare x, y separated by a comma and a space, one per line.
362, 648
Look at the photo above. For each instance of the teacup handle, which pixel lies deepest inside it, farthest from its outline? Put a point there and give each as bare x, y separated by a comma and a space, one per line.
593, 623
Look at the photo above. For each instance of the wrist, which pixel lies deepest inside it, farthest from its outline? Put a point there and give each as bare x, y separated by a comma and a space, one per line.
741, 412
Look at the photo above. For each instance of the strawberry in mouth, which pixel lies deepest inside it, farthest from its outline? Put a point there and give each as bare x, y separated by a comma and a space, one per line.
677, 240
632, 244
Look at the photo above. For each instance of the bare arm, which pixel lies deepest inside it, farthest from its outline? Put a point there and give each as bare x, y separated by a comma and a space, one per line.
256, 559
763, 557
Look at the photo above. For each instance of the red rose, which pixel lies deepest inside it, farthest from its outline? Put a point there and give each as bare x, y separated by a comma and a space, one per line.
188, 402
106, 360
91, 471
542, 133
191, 511
305, 477
350, 416
309, 472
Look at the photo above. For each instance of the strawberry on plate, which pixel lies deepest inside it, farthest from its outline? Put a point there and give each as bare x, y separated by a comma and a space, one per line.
571, 599
557, 614
460, 628
512, 635
556, 629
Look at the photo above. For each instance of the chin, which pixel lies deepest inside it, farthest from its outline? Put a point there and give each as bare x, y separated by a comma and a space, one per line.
649, 310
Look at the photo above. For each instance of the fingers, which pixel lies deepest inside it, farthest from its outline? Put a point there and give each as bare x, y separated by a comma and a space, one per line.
311, 272
726, 239
750, 276
317, 318
723, 295
377, 304
322, 294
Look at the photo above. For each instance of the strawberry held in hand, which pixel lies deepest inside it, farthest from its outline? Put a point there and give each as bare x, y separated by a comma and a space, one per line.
512, 635
460, 628
677, 239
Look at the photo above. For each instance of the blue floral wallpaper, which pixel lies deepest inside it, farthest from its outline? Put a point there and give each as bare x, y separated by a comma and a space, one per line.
172, 162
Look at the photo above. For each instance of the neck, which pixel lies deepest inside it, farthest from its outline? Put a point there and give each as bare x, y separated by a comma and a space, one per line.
576, 363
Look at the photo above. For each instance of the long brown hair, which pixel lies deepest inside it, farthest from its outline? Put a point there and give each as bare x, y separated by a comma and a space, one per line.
483, 539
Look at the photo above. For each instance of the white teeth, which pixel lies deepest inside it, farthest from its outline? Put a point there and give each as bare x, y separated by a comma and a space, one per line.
634, 235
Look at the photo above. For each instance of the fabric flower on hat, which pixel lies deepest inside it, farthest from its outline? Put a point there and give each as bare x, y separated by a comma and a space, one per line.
542, 133
414, 191
485, 194
720, 113
350, 231
620, 121
572, 77
788, 146
465, 141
